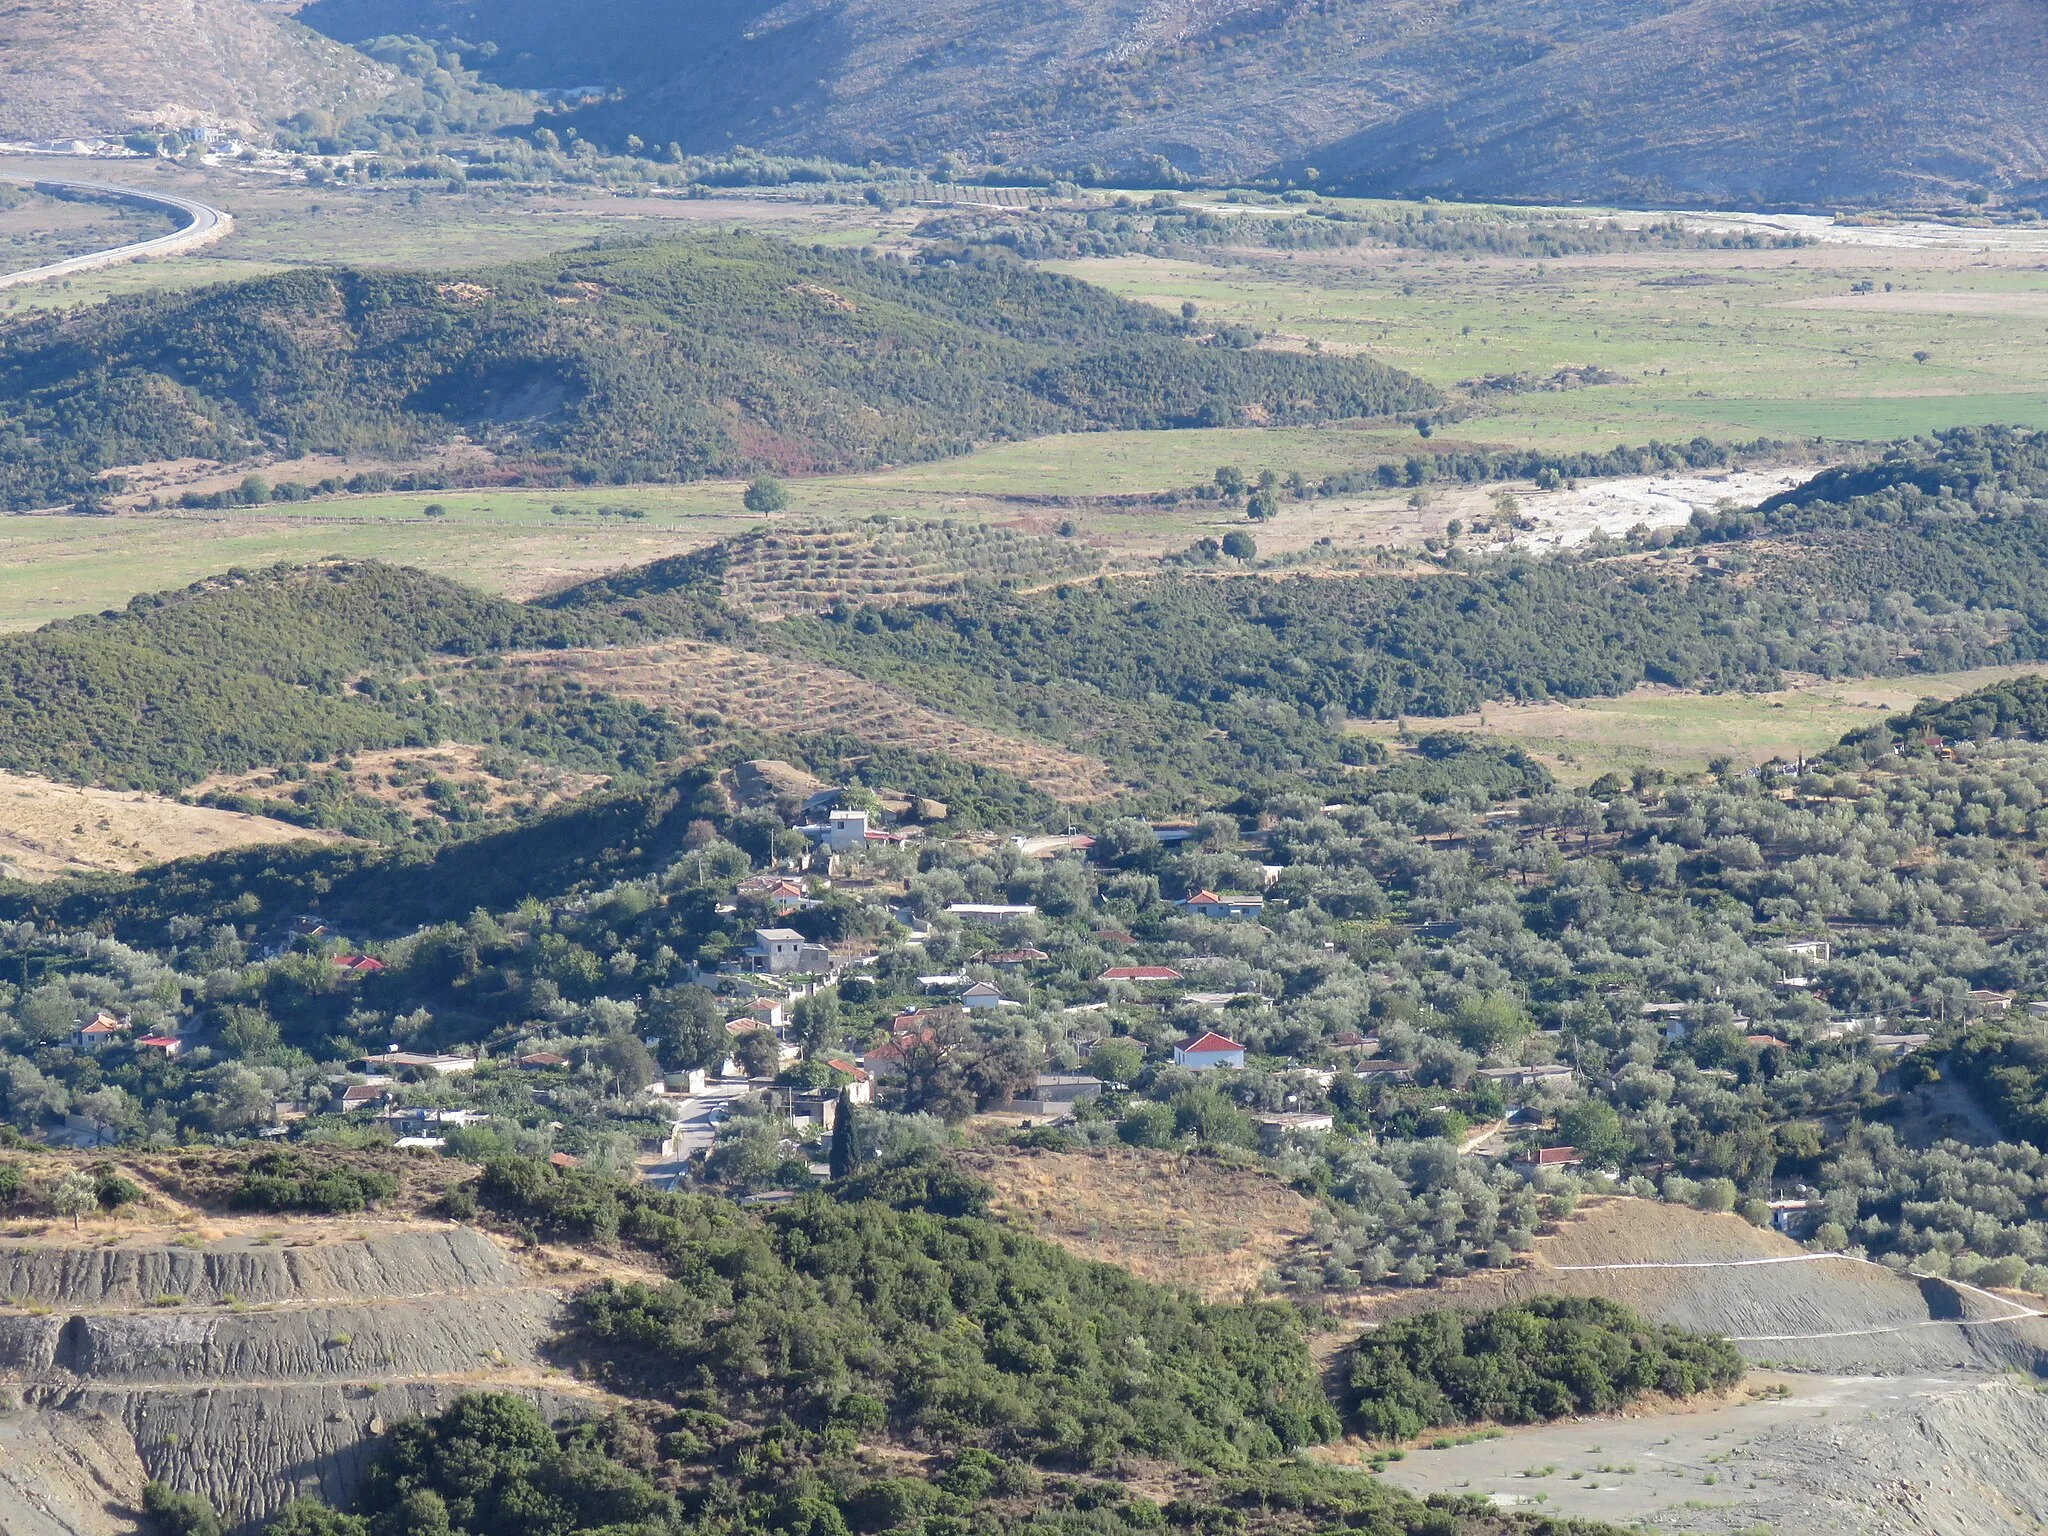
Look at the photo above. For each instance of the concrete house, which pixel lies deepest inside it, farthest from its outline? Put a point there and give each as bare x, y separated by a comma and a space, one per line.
784, 951
1207, 1051
984, 994
1209, 904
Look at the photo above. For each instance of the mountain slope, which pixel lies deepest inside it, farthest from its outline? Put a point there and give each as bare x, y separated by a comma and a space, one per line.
1697, 100
658, 362
105, 66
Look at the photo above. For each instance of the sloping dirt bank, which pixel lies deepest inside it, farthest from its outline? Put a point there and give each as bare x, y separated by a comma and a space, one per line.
1928, 1455
1885, 1403
251, 1369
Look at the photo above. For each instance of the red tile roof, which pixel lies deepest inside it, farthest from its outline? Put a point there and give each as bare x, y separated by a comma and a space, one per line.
1203, 1044
1140, 973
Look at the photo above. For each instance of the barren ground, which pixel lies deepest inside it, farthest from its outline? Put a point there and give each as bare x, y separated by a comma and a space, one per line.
1178, 1221
49, 829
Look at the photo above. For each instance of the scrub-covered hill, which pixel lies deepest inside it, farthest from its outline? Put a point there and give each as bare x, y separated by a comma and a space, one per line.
657, 362
1806, 101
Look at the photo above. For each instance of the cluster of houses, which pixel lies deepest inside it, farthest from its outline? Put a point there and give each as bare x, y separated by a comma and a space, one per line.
104, 1029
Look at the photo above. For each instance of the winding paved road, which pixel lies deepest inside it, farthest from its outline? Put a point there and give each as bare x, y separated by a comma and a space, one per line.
203, 225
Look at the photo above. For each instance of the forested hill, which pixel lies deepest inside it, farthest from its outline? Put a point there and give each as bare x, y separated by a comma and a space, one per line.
1792, 101
713, 355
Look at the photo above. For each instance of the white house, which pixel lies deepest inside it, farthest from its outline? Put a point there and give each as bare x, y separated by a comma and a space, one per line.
1209, 904
102, 1031
845, 831
1208, 1050
983, 994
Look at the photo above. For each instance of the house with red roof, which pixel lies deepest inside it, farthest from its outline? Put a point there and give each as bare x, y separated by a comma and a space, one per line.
1140, 973
1208, 1050
862, 1089
358, 965
894, 1055
170, 1045
1539, 1158
102, 1031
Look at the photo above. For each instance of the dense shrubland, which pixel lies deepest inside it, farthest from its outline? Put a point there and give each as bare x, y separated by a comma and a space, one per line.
1542, 1359
617, 365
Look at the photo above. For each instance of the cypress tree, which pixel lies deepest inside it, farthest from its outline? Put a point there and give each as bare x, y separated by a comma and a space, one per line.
842, 1137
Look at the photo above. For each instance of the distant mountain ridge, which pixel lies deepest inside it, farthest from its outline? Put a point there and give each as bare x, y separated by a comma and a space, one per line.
77, 67
1710, 101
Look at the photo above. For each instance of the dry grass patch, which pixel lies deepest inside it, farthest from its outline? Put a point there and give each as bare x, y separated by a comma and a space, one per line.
415, 779
49, 829
1183, 1221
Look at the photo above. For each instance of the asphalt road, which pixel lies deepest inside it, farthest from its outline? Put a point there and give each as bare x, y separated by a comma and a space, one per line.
204, 224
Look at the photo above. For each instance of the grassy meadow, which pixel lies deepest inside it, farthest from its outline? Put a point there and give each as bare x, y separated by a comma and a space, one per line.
1683, 732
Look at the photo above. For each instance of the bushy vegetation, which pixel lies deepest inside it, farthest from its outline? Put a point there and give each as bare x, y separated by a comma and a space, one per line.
942, 1329
280, 1181
490, 1464
1160, 226
1542, 1359
624, 364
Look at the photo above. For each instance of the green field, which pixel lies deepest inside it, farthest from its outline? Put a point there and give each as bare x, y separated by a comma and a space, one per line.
1725, 343
1684, 732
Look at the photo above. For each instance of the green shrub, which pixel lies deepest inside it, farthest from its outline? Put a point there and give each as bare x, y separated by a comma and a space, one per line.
178, 1514
1538, 1360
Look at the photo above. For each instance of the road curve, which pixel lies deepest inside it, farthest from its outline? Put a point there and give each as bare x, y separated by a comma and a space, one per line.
203, 225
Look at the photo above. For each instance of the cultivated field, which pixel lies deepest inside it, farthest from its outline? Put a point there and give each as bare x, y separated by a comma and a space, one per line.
714, 686
1732, 344
49, 829
1188, 1222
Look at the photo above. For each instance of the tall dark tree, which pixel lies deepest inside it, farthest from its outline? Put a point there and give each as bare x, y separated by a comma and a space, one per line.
842, 1156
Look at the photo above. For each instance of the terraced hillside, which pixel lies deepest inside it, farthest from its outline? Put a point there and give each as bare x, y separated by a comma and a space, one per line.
717, 687
802, 570
1882, 1403
249, 1361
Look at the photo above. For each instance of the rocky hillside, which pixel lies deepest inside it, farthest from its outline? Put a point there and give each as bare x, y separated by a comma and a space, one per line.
249, 1359
1791, 101
107, 66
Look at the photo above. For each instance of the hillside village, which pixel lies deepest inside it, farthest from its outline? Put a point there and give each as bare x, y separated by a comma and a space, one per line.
868, 977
